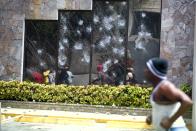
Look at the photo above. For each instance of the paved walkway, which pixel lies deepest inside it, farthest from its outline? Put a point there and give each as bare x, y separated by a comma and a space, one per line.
71, 127
51, 120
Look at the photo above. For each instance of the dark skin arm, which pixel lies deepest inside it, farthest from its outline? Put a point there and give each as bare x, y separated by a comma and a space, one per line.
149, 119
172, 94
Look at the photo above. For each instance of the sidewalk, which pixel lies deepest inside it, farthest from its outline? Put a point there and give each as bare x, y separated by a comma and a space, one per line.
31, 120
12, 118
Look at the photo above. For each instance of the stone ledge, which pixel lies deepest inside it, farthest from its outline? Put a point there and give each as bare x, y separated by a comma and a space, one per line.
76, 107
80, 108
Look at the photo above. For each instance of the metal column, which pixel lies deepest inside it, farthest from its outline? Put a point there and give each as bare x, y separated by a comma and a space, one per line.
194, 80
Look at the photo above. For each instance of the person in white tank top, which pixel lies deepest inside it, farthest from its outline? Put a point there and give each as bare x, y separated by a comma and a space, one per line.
168, 102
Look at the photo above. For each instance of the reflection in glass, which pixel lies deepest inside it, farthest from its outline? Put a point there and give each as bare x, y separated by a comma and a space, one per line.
40, 51
94, 44
74, 45
144, 36
109, 34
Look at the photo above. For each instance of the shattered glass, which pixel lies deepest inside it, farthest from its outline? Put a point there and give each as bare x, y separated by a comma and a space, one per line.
144, 40
92, 46
109, 37
74, 44
40, 50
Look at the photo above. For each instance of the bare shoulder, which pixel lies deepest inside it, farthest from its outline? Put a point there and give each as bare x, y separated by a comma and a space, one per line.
167, 84
168, 88
170, 91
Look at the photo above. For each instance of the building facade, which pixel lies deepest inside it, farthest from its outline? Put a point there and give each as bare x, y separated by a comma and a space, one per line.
176, 35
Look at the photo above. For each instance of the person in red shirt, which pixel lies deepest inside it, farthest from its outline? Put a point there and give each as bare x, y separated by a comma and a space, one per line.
38, 77
100, 67
100, 73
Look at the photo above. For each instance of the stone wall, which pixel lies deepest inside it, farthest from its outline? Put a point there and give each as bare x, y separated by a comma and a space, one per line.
11, 34
12, 16
177, 38
48, 9
147, 5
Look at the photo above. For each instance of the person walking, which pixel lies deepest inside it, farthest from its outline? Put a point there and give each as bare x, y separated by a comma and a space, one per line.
168, 102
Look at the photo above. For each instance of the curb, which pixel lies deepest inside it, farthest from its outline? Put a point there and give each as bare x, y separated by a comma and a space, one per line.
78, 118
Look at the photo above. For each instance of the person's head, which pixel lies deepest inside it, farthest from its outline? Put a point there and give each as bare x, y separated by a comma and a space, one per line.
130, 75
156, 69
99, 60
130, 69
66, 67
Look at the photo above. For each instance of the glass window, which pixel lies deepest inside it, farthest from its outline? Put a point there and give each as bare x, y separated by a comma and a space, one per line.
108, 45
109, 38
74, 46
40, 51
144, 36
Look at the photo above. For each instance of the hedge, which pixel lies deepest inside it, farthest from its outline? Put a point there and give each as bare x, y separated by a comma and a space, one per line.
126, 95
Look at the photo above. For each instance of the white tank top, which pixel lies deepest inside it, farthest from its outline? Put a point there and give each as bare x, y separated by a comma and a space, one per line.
160, 111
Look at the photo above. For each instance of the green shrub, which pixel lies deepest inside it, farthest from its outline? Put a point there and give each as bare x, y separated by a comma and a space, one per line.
126, 95
186, 88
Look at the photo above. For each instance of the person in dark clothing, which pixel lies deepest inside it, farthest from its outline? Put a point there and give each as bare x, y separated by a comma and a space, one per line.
63, 76
118, 71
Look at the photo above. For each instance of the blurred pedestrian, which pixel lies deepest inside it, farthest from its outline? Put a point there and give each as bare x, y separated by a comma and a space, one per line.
38, 77
66, 76
130, 77
168, 102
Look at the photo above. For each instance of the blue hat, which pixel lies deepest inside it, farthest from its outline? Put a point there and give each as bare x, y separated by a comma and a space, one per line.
158, 67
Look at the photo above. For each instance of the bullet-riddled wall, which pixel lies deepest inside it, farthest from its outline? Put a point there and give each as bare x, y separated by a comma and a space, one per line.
12, 16
177, 32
